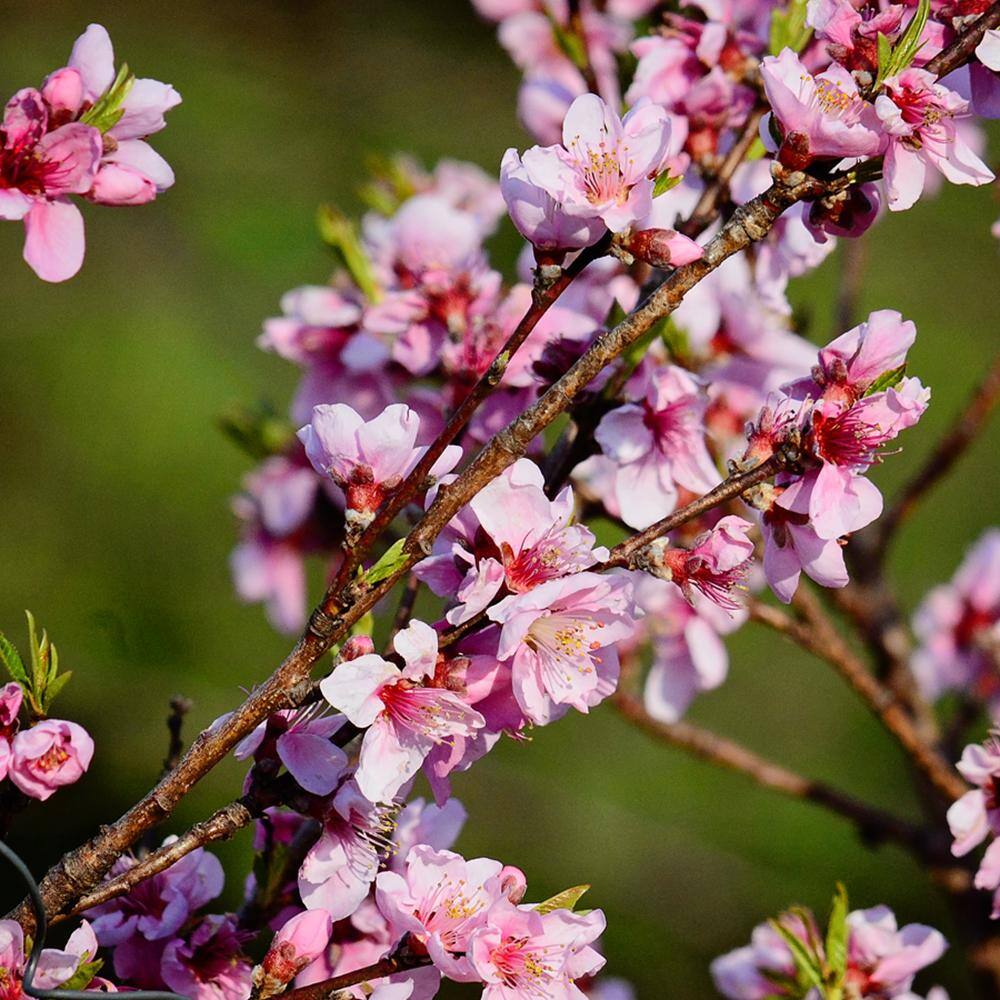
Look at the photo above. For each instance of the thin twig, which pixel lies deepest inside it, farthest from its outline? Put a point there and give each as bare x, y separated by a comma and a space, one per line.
401, 961
179, 707
874, 825
817, 634
962, 48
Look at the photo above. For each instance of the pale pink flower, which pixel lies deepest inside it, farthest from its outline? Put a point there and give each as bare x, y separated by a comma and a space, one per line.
819, 116
368, 459
423, 822
882, 958
300, 941
440, 900
559, 639
403, 716
606, 165
48, 756
538, 217
519, 953
514, 537
208, 963
56, 966
958, 625
918, 116
975, 816
657, 444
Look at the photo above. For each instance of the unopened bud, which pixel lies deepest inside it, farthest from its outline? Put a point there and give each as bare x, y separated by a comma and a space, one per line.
357, 645
659, 247
301, 941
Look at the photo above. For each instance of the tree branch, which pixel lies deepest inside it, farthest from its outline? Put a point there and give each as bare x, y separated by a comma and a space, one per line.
401, 961
875, 826
962, 48
817, 634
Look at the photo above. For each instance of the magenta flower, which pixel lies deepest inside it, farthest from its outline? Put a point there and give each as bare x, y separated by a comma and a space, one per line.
159, 906
367, 459
822, 116
606, 165
918, 116
657, 444
48, 756
405, 718
519, 953
440, 900
958, 624
559, 639
512, 537
208, 963
11, 696
538, 217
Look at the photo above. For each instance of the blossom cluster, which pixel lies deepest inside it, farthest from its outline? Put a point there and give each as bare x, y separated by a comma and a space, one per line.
81, 133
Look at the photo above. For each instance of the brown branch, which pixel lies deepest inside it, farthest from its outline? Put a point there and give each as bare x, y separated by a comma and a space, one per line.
624, 553
179, 707
401, 961
343, 605
875, 825
817, 634
962, 48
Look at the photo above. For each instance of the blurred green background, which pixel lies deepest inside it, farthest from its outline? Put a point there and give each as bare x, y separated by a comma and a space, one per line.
114, 481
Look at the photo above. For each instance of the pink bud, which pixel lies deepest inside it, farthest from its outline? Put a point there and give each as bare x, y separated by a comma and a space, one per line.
301, 941
357, 645
661, 247
513, 883
63, 91
118, 185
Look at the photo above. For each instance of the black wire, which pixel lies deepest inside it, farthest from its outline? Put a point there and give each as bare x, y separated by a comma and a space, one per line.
42, 927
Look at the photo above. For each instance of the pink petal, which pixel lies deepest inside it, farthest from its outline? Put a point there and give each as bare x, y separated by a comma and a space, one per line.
54, 243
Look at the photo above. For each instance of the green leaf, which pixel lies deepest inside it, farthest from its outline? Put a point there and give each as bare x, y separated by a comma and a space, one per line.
664, 182
565, 900
11, 660
54, 687
38, 672
836, 939
388, 563
258, 430
107, 110
887, 380
894, 61
571, 43
789, 29
806, 962
85, 972
341, 235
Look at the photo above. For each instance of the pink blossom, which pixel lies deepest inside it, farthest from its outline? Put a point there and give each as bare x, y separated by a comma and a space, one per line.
512, 537
10, 704
367, 459
48, 756
519, 953
606, 165
341, 866
158, 906
688, 654
404, 717
300, 941
538, 217
850, 214
918, 116
208, 963
821, 116
958, 625
746, 973
38, 169
717, 563
883, 959
559, 639
56, 966
425, 823
657, 444
440, 900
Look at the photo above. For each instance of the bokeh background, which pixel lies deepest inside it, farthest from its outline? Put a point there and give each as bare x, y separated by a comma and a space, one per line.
114, 479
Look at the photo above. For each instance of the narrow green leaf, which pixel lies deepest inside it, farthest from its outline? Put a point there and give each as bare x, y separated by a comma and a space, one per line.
565, 900
53, 664
664, 182
836, 938
83, 976
388, 563
38, 674
806, 962
887, 380
105, 113
11, 660
341, 235
789, 29
571, 43
54, 687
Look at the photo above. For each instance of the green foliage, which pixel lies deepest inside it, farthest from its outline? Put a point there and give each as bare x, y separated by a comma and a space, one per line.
664, 182
571, 44
85, 972
887, 380
107, 110
258, 430
341, 235
387, 564
565, 900
789, 29
893, 59
44, 682
390, 185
